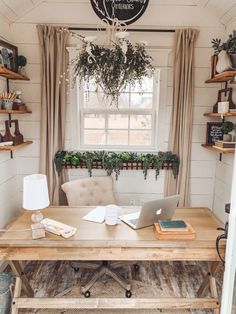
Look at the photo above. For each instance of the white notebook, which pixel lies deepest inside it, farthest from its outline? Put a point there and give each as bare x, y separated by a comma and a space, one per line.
96, 215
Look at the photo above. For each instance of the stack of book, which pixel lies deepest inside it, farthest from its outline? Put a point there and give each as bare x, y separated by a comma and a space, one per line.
174, 230
224, 145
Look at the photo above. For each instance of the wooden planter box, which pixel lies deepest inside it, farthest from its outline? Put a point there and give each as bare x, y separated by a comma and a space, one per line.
127, 165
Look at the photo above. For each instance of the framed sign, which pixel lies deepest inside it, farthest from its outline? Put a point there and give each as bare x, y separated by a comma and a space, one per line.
214, 132
8, 55
126, 11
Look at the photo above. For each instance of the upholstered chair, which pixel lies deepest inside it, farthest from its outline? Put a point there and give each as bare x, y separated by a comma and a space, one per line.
93, 192
89, 191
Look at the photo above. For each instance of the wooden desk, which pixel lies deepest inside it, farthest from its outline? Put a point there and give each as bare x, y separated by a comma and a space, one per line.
100, 242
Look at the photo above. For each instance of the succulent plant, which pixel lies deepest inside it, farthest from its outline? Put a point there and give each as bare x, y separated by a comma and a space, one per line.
227, 127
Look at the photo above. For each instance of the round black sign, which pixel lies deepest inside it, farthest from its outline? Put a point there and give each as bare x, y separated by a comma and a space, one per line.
126, 11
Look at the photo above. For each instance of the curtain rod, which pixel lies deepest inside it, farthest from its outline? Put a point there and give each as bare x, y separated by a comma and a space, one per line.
129, 30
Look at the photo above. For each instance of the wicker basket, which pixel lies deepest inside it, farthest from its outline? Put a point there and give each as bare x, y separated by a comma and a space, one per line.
6, 282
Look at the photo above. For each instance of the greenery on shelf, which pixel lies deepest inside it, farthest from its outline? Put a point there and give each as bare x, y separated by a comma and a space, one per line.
227, 127
229, 45
113, 162
112, 68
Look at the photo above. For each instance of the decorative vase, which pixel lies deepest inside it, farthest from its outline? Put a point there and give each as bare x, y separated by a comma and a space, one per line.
227, 138
223, 63
233, 60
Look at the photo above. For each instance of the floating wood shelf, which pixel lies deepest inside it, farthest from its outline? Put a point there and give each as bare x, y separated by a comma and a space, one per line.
213, 114
12, 75
222, 77
15, 111
12, 148
219, 150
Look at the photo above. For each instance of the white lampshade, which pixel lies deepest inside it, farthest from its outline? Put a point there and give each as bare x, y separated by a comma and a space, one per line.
35, 192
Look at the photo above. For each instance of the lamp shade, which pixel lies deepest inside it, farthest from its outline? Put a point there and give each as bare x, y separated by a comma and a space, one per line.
35, 192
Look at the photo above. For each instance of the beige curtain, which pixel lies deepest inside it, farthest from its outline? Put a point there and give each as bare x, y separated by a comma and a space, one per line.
180, 138
54, 57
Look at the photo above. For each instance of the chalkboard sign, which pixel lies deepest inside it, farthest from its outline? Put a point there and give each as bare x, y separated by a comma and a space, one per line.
126, 11
214, 132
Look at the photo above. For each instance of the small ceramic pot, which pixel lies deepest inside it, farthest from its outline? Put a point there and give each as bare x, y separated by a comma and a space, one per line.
227, 138
7, 104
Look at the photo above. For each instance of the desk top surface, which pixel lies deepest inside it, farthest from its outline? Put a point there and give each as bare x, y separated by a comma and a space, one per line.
90, 234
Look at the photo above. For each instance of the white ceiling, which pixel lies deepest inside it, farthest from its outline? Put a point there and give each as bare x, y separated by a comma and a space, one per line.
225, 10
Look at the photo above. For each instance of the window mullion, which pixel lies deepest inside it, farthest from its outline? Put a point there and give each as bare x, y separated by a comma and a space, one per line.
106, 127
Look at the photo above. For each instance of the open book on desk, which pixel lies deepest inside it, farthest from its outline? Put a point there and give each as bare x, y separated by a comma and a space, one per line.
96, 215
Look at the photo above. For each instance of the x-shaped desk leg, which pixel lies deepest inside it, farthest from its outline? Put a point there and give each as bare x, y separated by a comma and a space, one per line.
19, 272
210, 282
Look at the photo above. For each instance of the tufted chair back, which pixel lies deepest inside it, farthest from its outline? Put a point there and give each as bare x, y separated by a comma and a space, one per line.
89, 191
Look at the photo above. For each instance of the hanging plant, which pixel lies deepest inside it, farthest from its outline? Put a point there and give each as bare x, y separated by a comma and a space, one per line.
146, 160
112, 162
114, 68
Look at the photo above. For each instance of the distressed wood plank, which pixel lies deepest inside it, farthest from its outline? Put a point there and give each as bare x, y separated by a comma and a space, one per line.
115, 303
16, 294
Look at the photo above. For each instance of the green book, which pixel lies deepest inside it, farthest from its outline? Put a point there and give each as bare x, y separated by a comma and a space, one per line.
173, 225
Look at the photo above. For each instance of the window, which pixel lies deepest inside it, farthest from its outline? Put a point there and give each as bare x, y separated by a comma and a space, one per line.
132, 126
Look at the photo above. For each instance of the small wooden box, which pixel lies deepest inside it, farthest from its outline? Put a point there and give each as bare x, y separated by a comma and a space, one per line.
174, 235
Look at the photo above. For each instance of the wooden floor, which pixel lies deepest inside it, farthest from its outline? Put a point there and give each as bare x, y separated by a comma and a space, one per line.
154, 279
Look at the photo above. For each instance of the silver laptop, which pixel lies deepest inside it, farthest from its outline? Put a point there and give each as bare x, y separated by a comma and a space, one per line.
151, 212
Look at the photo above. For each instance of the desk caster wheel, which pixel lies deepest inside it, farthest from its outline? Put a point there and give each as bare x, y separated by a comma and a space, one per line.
87, 294
136, 267
128, 294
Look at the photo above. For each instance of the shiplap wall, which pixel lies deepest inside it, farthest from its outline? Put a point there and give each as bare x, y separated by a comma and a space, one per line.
9, 189
131, 184
223, 176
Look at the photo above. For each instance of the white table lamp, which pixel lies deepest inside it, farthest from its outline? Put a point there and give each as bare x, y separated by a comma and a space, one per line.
35, 195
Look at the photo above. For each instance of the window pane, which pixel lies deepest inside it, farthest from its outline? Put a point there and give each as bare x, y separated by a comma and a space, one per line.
94, 137
123, 101
146, 86
93, 100
117, 138
118, 121
92, 86
140, 121
140, 138
141, 101
95, 121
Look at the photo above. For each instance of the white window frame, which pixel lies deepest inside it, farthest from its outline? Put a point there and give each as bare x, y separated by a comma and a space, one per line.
76, 98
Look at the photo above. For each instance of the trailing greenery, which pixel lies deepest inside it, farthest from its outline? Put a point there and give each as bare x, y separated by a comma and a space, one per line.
112, 68
113, 162
229, 45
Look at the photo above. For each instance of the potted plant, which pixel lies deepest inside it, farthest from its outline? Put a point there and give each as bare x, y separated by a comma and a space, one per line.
223, 60
226, 52
227, 127
231, 48
21, 63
